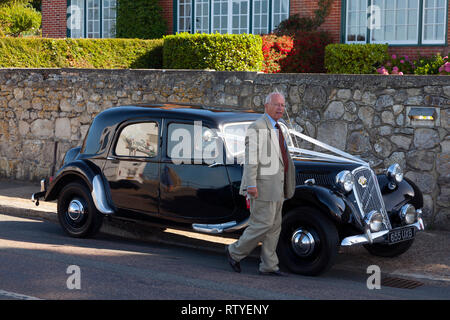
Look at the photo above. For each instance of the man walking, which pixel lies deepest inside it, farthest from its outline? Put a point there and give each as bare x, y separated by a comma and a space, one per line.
268, 179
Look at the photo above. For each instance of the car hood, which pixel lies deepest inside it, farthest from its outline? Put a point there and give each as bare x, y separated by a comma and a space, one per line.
321, 170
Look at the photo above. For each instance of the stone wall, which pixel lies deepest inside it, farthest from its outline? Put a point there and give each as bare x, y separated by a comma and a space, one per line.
44, 112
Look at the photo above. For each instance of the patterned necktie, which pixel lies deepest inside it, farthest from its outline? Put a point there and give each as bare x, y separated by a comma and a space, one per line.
282, 148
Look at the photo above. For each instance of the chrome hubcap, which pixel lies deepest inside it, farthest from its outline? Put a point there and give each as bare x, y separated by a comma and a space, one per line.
76, 210
303, 242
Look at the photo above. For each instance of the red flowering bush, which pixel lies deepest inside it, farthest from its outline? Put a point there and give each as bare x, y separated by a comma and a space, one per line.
308, 53
275, 48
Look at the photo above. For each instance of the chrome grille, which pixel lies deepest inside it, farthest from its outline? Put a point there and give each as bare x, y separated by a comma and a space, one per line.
368, 195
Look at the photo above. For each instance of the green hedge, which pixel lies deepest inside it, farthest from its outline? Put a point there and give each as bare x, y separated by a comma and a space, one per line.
355, 58
80, 53
221, 52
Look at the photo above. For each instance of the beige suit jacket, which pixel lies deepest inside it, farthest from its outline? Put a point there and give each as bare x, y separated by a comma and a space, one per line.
263, 166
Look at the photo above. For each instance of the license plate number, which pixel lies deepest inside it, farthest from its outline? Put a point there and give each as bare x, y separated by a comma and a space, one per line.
400, 235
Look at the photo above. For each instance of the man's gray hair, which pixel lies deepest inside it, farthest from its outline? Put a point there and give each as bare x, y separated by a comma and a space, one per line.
270, 95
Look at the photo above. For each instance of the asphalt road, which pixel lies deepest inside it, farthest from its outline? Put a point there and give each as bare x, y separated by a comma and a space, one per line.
38, 261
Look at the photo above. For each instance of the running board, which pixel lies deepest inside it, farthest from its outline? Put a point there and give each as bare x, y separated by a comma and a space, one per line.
220, 227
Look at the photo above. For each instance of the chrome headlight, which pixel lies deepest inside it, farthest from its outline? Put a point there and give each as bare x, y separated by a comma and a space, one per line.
395, 173
344, 180
374, 220
408, 214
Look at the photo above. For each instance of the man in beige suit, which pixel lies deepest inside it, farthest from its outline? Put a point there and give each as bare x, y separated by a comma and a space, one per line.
268, 179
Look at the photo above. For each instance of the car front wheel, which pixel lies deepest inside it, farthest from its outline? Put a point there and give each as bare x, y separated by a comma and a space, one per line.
308, 243
77, 213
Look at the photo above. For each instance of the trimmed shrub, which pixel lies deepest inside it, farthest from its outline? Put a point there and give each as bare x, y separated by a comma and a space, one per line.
355, 58
307, 55
275, 49
221, 52
140, 19
80, 53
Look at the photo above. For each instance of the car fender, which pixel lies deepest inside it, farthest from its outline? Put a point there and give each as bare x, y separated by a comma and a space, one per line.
405, 191
92, 177
323, 198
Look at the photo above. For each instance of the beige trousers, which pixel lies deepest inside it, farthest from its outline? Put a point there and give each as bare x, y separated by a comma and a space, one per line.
264, 226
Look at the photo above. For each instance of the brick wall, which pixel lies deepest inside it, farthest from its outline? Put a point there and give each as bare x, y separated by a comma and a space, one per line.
167, 13
54, 21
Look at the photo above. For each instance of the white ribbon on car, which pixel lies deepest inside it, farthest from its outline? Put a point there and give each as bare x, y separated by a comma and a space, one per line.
342, 155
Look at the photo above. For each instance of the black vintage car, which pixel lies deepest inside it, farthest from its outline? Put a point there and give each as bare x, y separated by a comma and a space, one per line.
181, 166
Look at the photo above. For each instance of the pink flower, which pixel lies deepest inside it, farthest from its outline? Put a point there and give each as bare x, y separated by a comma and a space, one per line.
394, 56
402, 61
400, 73
395, 69
447, 66
406, 58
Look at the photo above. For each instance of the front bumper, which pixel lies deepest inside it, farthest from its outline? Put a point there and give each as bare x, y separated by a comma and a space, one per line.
376, 237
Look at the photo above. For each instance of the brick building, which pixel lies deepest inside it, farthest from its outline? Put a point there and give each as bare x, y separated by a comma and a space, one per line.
409, 26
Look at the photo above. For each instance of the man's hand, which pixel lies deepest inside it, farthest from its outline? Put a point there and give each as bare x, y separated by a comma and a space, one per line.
253, 192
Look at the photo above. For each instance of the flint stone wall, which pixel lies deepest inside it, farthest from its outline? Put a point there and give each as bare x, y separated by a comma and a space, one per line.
44, 112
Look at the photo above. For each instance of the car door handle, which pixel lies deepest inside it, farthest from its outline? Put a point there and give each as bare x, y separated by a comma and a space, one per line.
112, 159
215, 164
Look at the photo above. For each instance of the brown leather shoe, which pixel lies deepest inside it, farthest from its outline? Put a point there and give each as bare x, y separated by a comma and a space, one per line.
235, 265
277, 273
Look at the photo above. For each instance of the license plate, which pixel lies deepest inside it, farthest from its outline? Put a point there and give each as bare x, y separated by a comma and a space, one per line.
399, 235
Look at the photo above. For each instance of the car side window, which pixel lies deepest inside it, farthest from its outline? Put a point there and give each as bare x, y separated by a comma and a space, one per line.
138, 140
185, 142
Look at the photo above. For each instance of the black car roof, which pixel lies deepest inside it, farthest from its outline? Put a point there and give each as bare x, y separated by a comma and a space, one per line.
108, 119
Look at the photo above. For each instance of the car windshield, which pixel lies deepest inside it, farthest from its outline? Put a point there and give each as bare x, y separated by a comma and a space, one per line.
234, 137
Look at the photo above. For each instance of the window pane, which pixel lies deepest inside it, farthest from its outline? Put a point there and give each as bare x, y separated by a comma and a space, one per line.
184, 15
109, 18
183, 143
138, 140
399, 21
202, 16
280, 11
76, 20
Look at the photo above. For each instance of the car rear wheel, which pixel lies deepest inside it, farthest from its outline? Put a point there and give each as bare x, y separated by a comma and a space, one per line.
308, 243
389, 251
77, 213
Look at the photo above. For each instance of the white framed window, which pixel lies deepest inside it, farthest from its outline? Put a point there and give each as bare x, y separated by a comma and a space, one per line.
434, 19
399, 22
109, 19
75, 23
184, 15
93, 19
280, 12
231, 16
356, 21
240, 16
202, 16
260, 16
220, 12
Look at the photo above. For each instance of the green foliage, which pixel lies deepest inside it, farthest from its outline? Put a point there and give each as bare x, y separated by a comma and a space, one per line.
429, 65
80, 53
221, 52
140, 19
355, 58
17, 18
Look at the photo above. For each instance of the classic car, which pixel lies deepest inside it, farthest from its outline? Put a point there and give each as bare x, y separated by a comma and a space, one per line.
180, 166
